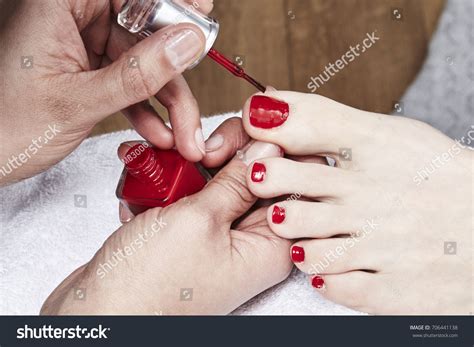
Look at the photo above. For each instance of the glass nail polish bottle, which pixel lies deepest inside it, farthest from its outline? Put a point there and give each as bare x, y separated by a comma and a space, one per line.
157, 178
144, 17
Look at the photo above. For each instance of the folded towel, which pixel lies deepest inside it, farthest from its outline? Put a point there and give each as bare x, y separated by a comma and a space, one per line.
53, 223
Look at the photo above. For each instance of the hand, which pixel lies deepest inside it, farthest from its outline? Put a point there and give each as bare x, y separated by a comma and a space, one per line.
221, 146
198, 256
67, 65
386, 231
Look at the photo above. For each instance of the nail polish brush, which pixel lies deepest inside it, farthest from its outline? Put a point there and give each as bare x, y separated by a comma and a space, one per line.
144, 17
235, 69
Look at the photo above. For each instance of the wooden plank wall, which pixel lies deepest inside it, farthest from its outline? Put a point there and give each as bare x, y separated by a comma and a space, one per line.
285, 42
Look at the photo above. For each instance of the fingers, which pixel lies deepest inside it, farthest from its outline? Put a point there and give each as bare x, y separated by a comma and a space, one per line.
120, 41
203, 6
96, 32
221, 146
184, 117
306, 124
147, 123
139, 73
125, 147
226, 197
309, 219
125, 214
177, 98
275, 177
224, 142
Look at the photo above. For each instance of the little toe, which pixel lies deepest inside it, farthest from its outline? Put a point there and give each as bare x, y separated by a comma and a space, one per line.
351, 289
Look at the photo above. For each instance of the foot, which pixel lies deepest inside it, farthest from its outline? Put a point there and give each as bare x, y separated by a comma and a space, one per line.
388, 230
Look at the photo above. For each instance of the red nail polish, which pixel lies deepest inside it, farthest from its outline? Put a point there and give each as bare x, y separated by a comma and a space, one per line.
157, 178
297, 254
258, 172
317, 282
267, 112
233, 68
278, 214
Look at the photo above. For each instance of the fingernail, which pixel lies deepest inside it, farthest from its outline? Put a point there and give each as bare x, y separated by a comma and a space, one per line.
199, 138
125, 147
278, 214
125, 214
267, 113
317, 282
183, 48
260, 150
214, 143
258, 172
297, 254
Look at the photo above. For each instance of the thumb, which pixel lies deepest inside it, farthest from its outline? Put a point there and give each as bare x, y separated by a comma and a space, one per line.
226, 197
140, 72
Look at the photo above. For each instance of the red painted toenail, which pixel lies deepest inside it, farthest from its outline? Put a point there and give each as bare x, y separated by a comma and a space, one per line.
317, 282
278, 214
297, 254
258, 172
267, 112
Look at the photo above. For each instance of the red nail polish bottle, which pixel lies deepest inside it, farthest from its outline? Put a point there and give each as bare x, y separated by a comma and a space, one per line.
157, 178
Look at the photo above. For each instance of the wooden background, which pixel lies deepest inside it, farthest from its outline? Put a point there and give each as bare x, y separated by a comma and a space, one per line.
285, 42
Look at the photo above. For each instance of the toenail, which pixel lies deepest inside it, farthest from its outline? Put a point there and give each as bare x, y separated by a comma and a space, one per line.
258, 172
267, 113
317, 282
297, 254
278, 214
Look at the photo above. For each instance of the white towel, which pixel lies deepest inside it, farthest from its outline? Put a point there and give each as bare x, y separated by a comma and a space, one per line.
55, 222
44, 236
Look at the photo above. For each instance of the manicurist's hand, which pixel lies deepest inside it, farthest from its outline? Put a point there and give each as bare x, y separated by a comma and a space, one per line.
386, 231
206, 254
66, 65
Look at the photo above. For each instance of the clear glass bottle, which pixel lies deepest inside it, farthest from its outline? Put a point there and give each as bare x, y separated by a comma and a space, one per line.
144, 17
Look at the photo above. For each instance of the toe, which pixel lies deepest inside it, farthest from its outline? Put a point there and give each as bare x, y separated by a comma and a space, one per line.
351, 289
275, 177
306, 124
293, 219
331, 256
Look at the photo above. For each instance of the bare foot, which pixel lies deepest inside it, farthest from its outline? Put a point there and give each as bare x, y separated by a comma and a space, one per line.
389, 229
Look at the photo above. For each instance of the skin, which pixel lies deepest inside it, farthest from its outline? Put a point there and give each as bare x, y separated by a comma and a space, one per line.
398, 222
79, 77
202, 242
80, 74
